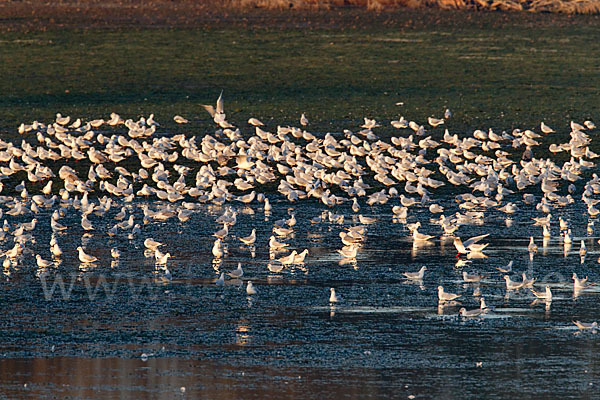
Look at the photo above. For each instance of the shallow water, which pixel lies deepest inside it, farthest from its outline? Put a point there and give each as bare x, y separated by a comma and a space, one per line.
125, 330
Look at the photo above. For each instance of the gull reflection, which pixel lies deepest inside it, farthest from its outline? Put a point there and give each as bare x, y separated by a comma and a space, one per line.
217, 264
419, 246
547, 303
447, 307
242, 336
85, 267
275, 267
444, 241
348, 261
416, 282
461, 263
545, 243
567, 249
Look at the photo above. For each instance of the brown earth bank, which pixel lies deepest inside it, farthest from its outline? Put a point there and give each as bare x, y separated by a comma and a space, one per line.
34, 15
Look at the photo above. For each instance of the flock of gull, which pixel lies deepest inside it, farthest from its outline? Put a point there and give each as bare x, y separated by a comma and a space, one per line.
107, 169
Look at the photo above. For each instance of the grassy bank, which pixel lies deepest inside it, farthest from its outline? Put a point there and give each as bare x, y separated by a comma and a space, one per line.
500, 78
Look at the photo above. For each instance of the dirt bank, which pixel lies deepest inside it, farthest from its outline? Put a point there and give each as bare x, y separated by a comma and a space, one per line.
39, 16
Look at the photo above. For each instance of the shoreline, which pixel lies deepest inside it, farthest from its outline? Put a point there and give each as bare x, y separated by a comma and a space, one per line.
35, 16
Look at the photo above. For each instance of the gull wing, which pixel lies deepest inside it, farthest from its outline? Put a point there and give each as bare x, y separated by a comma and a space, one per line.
220, 104
474, 239
210, 109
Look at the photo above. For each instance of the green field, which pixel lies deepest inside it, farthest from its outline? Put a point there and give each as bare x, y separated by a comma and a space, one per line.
495, 77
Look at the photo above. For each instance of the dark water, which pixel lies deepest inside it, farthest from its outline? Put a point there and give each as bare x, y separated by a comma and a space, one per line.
124, 330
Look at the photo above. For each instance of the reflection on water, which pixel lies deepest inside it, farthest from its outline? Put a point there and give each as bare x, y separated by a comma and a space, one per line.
79, 331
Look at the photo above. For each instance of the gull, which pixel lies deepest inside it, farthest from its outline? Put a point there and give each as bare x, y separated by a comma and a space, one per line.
249, 240
444, 297
219, 110
152, 244
299, 258
76, 124
184, 215
126, 225
470, 245
274, 245
279, 231
471, 313
303, 120
435, 121
56, 250
15, 251
62, 120
545, 128
250, 289
369, 123
543, 220
41, 262
221, 233
407, 201
400, 124
115, 253
582, 249
237, 273
48, 188
121, 214
532, 246
507, 269
472, 277
333, 298
586, 325
436, 208
447, 113
19, 231
449, 228
355, 205
528, 282
579, 283
180, 120
416, 275
289, 259
161, 259
292, 221
349, 251
217, 249
221, 280
512, 285
255, 122
577, 127
421, 236
484, 307
366, 220
546, 295
86, 224
85, 258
